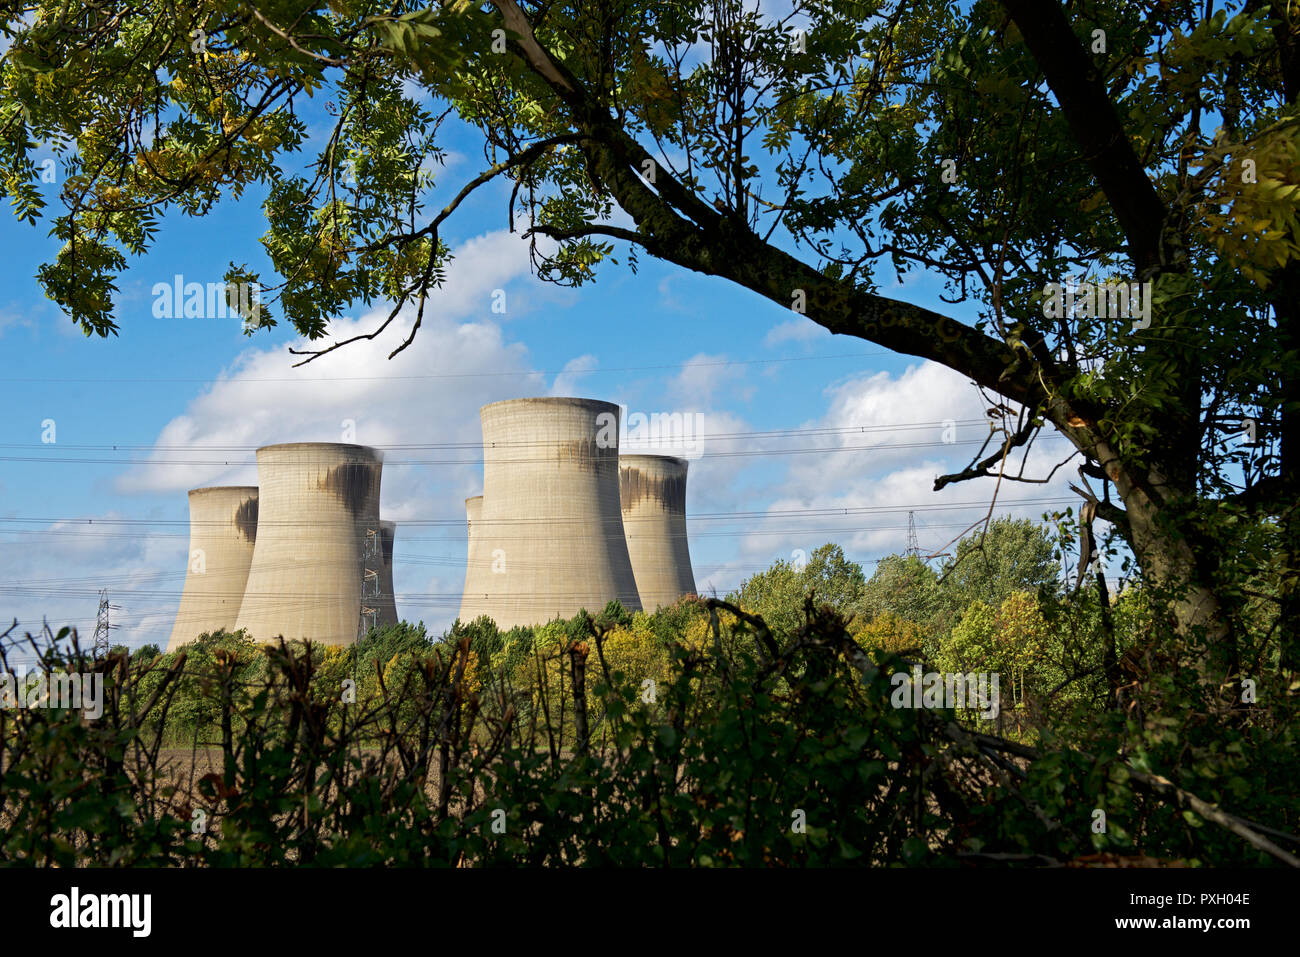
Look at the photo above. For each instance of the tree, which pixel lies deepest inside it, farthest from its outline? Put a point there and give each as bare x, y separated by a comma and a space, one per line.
1008, 639
1005, 145
902, 587
891, 633
1014, 555
833, 579
973, 644
1022, 639
777, 594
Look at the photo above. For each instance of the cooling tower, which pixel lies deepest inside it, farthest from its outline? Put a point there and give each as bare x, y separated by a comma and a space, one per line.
387, 599
318, 536
478, 565
652, 490
223, 529
554, 530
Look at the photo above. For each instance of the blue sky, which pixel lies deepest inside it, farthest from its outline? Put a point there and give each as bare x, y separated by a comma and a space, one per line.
104, 504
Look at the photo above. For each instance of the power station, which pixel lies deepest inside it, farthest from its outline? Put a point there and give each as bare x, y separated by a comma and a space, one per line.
318, 542
563, 524
652, 493
223, 531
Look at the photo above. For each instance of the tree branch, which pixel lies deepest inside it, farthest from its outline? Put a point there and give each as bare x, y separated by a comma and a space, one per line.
981, 468
1079, 88
527, 155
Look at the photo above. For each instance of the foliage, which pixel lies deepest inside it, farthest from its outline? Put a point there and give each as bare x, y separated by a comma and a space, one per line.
776, 595
1014, 555
757, 750
902, 587
1007, 640
888, 632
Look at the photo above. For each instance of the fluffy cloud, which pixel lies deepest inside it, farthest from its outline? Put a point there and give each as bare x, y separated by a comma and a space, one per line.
887, 470
705, 379
58, 571
566, 382
796, 330
429, 393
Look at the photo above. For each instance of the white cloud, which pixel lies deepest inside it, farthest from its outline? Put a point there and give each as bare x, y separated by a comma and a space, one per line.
13, 316
566, 382
705, 379
795, 330
459, 360
887, 471
56, 572
263, 401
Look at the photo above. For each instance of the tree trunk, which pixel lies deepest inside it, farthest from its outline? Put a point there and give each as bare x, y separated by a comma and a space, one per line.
1167, 554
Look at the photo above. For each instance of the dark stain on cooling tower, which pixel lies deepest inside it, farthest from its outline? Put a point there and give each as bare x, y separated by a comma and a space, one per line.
584, 454
386, 542
352, 484
635, 485
246, 519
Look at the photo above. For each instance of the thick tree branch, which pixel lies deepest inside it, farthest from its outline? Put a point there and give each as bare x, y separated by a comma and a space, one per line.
1116, 516
1078, 83
594, 229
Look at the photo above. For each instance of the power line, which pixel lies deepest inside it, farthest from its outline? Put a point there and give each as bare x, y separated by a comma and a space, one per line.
314, 379
226, 463
459, 520
60, 587
523, 443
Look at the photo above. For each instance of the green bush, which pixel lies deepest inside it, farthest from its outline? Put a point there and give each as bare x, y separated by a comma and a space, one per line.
756, 748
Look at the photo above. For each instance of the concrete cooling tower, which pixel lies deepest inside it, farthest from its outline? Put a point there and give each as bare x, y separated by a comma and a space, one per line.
318, 536
223, 530
551, 511
478, 565
652, 490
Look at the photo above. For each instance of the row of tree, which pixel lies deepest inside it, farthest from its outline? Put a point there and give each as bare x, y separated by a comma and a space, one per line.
999, 603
